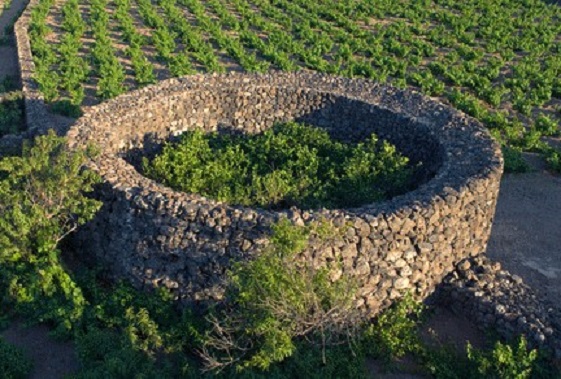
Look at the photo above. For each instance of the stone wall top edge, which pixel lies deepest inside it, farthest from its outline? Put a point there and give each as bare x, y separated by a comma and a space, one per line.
418, 200
376, 94
448, 180
36, 114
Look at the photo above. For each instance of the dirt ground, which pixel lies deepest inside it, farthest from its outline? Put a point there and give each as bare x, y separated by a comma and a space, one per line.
526, 235
8, 55
9, 15
8, 61
52, 359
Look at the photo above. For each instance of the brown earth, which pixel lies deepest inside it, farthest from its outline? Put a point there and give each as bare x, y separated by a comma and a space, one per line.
52, 359
8, 54
526, 235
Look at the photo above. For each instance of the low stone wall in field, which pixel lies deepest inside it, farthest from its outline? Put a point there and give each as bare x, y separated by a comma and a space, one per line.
37, 117
154, 236
36, 113
495, 299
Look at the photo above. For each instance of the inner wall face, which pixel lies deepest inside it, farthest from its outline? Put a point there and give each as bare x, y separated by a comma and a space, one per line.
256, 110
153, 236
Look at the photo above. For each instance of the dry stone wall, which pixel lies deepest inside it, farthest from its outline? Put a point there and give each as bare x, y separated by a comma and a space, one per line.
37, 117
381, 248
155, 236
495, 299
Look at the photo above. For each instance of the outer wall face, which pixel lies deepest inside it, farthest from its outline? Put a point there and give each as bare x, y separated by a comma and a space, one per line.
154, 236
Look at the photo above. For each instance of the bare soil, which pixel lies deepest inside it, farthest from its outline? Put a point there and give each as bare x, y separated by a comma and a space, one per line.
8, 61
52, 359
526, 235
8, 16
8, 54
442, 328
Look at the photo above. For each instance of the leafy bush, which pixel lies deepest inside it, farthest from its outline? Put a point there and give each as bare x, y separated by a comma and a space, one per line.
8, 84
553, 159
13, 362
106, 353
127, 333
11, 114
290, 164
277, 298
514, 162
311, 362
504, 361
546, 125
41, 201
66, 108
395, 331
446, 362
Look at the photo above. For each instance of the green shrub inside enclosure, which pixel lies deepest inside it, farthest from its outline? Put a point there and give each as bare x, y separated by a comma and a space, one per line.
290, 164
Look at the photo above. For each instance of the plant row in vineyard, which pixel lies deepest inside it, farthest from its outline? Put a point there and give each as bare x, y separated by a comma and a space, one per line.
225, 41
164, 40
110, 72
191, 37
74, 69
143, 68
44, 55
499, 62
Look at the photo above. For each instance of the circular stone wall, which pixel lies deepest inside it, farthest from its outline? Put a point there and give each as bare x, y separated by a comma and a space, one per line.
155, 236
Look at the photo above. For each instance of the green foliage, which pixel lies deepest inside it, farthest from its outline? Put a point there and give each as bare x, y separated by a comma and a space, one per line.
504, 361
13, 362
290, 164
546, 125
66, 108
394, 333
276, 298
105, 353
482, 56
514, 161
41, 202
310, 362
125, 333
8, 84
73, 67
11, 113
446, 362
553, 159
110, 71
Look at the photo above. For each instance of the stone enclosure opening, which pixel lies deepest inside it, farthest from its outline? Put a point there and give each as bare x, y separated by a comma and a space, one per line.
154, 236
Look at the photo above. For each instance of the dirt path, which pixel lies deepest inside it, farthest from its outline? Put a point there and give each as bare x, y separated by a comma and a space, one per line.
526, 235
8, 53
8, 16
8, 62
52, 359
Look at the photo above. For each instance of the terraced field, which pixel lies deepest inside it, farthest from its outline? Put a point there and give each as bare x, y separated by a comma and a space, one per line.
499, 61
